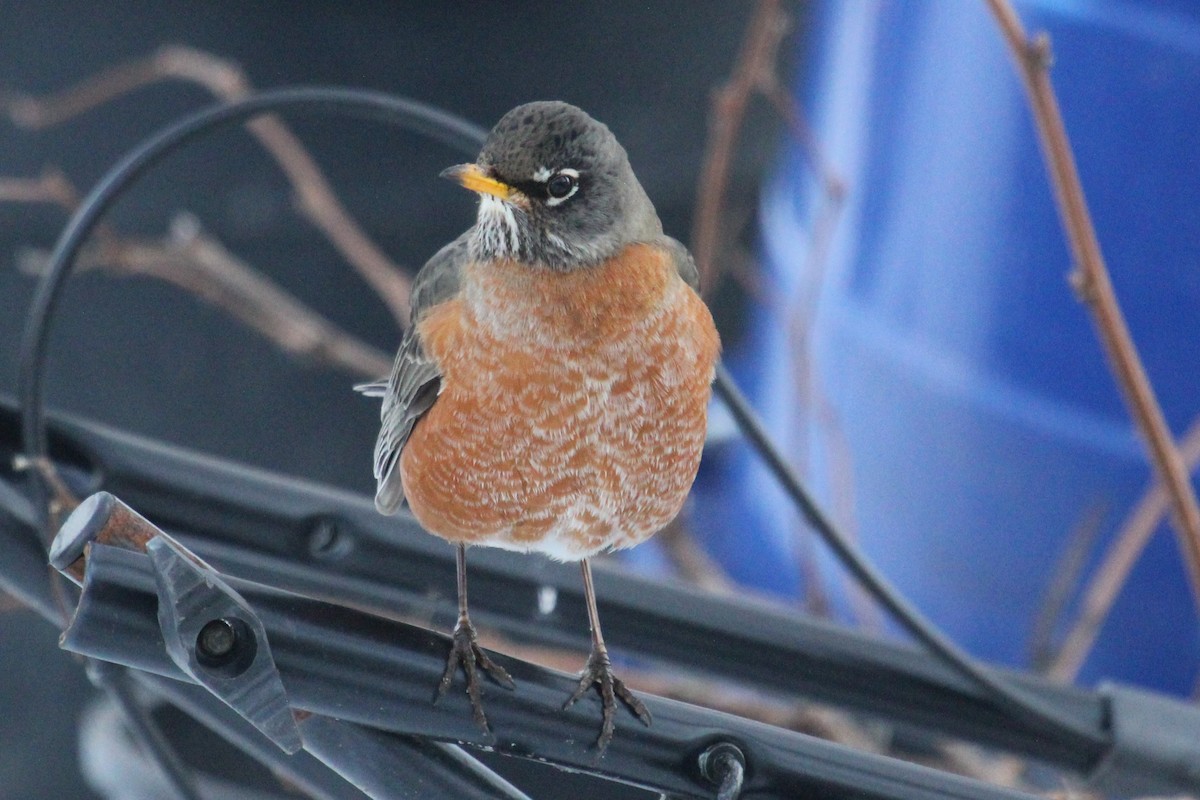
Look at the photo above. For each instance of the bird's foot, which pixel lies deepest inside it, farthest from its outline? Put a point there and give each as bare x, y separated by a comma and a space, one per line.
598, 672
466, 652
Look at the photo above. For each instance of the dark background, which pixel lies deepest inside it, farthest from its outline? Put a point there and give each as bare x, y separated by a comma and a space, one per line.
146, 357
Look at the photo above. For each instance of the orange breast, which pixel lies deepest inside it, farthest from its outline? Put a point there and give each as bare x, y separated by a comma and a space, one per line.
573, 406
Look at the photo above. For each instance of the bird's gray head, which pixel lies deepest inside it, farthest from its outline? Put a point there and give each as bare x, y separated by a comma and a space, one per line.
556, 190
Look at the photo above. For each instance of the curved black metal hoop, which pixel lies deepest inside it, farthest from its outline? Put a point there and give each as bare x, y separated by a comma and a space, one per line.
417, 117
458, 133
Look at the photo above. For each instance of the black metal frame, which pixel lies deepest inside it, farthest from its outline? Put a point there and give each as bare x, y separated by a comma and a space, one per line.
329, 662
327, 543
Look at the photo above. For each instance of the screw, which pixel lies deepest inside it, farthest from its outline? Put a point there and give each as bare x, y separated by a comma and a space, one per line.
216, 644
724, 765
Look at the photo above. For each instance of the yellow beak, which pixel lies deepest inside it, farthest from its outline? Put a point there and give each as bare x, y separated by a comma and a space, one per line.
472, 177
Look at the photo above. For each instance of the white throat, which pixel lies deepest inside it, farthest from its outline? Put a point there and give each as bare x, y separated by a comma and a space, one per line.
496, 229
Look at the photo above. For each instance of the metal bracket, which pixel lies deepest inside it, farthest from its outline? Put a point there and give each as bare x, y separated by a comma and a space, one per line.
213, 635
210, 631
1154, 743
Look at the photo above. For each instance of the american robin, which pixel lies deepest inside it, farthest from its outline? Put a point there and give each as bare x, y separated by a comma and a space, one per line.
551, 393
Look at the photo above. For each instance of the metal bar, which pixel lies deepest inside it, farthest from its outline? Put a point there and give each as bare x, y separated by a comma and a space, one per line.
386, 766
302, 770
178, 774
23, 570
382, 766
378, 673
338, 756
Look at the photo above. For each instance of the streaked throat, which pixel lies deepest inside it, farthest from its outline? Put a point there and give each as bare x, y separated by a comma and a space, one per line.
498, 229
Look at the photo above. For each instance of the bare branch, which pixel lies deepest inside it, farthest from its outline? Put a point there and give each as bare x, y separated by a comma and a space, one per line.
316, 199
1118, 562
789, 110
1066, 579
693, 563
39, 113
1094, 286
755, 72
61, 501
755, 60
50, 187
199, 264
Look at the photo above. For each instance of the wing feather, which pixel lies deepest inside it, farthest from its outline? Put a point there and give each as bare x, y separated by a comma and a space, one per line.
684, 263
413, 386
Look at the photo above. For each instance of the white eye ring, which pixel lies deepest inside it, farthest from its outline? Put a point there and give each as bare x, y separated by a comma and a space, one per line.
566, 172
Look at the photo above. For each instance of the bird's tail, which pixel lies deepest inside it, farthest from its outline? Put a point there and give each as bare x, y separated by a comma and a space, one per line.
372, 389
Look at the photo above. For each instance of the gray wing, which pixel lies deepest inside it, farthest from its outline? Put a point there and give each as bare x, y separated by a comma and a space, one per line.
413, 386
438, 280
683, 261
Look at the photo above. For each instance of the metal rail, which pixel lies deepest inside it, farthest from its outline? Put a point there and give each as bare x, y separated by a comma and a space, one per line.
295, 663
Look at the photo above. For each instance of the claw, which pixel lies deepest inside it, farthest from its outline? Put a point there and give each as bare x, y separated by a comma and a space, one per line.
598, 671
466, 652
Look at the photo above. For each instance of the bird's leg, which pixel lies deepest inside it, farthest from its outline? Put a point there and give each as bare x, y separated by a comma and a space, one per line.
598, 671
465, 651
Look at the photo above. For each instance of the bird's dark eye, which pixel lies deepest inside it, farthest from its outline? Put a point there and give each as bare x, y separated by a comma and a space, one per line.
561, 185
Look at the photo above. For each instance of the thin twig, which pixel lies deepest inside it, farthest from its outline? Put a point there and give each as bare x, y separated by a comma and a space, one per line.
61, 501
1094, 286
755, 62
1118, 562
755, 72
690, 559
1065, 581
316, 199
802, 313
197, 263
789, 110
863, 606
52, 187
